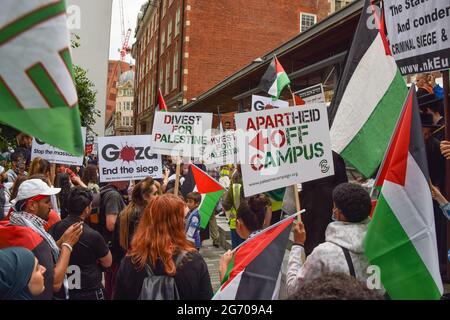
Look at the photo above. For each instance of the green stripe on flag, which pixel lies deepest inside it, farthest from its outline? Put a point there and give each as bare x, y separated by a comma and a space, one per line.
282, 81
46, 86
365, 152
207, 206
403, 273
9, 102
227, 274
65, 55
30, 20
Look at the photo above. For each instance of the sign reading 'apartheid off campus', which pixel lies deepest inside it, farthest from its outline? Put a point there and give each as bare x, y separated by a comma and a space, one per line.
222, 149
419, 34
123, 158
263, 103
181, 134
283, 147
55, 155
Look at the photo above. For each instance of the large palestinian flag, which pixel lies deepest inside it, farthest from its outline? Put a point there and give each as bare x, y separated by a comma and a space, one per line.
211, 191
368, 100
37, 91
275, 79
401, 238
255, 270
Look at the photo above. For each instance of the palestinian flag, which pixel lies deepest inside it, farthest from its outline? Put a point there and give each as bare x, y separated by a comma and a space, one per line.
255, 270
368, 100
275, 79
37, 90
161, 103
211, 191
401, 238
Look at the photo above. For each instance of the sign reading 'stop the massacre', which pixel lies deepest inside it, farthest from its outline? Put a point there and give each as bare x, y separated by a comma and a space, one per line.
418, 32
283, 147
125, 158
180, 133
313, 94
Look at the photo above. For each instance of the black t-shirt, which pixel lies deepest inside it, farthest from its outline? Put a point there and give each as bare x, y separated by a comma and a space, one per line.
192, 279
111, 202
86, 253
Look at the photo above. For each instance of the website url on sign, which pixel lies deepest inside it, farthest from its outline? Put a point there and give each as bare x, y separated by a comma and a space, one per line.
287, 176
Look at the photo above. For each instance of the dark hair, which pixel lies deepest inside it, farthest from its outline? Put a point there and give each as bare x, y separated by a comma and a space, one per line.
194, 196
90, 174
335, 286
78, 199
39, 165
252, 212
63, 182
16, 156
353, 201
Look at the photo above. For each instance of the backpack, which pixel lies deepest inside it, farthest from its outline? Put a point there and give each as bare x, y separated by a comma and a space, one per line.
156, 287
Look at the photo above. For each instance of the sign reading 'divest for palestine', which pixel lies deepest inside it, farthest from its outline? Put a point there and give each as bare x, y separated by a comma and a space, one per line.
55, 155
418, 32
263, 103
124, 158
314, 94
222, 149
181, 133
283, 147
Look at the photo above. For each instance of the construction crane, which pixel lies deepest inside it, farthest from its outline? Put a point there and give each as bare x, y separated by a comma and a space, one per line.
126, 49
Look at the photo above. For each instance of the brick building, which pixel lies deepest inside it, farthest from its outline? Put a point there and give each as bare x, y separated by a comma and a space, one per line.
115, 70
185, 47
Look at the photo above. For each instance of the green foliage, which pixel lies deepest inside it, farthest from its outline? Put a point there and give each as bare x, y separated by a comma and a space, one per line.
86, 98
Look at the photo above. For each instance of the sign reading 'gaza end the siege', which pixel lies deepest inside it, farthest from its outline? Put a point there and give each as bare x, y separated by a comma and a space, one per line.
179, 133
279, 148
263, 103
418, 32
125, 158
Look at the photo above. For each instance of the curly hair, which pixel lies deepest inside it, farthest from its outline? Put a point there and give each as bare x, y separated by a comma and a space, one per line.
252, 212
335, 286
353, 201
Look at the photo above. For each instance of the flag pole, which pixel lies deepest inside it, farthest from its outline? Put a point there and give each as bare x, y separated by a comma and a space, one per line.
177, 177
296, 195
445, 76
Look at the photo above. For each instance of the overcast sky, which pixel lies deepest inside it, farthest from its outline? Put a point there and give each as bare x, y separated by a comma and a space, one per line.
131, 9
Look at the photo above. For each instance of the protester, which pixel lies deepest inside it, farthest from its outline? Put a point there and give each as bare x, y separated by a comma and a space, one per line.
129, 218
25, 143
3, 195
343, 249
445, 149
231, 201
21, 275
91, 253
163, 219
17, 167
63, 182
441, 200
42, 166
90, 178
26, 229
335, 286
192, 224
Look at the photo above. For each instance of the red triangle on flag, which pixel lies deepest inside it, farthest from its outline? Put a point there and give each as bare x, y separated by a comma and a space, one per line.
205, 184
278, 66
161, 103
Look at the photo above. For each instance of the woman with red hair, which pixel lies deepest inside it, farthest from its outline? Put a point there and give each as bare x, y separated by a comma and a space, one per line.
159, 241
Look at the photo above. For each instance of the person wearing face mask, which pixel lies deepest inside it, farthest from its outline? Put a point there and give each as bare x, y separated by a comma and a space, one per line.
21, 275
343, 249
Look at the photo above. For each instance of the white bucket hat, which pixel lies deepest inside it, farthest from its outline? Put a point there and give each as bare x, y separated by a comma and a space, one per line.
34, 187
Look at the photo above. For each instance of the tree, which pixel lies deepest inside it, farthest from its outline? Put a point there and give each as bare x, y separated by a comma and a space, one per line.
86, 98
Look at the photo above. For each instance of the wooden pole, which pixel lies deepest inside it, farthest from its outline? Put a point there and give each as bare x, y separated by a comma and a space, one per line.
177, 178
445, 76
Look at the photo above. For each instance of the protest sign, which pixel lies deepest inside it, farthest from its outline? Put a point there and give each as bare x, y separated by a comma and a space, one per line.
262, 103
124, 158
222, 149
283, 147
418, 33
180, 133
314, 94
55, 155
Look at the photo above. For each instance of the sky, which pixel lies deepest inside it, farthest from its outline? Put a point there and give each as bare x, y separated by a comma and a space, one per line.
131, 10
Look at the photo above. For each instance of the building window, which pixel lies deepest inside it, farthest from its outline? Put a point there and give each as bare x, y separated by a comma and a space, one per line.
175, 70
178, 22
169, 33
307, 20
163, 41
167, 77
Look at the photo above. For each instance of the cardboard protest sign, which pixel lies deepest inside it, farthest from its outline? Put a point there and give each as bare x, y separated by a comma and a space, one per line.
314, 94
124, 158
419, 34
282, 147
181, 133
55, 155
222, 149
263, 103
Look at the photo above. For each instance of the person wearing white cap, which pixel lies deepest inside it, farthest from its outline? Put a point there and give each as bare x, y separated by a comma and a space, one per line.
32, 206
